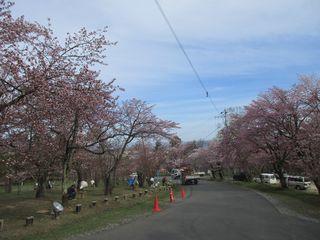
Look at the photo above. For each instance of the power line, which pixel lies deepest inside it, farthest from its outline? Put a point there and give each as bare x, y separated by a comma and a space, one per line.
185, 54
217, 128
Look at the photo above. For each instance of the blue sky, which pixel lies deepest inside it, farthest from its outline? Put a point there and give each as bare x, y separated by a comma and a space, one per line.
239, 47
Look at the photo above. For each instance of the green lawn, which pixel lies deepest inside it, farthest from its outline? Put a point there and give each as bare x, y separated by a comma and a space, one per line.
304, 202
15, 208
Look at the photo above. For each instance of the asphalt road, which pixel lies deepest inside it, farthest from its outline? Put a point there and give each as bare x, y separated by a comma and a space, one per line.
215, 211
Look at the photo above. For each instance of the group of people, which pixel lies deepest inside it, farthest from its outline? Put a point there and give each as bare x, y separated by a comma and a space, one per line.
71, 191
132, 181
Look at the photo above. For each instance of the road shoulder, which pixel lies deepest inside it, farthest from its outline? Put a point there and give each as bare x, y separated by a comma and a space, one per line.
279, 205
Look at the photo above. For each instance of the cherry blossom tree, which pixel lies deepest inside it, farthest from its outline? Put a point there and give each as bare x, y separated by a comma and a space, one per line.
279, 130
84, 103
55, 112
307, 139
135, 120
56, 81
21, 42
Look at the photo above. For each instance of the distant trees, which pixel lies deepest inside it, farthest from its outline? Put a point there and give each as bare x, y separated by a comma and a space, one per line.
147, 157
193, 154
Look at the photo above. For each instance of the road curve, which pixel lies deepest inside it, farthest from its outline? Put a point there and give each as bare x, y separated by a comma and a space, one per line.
215, 210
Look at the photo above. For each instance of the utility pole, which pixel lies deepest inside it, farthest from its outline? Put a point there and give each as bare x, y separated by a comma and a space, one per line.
223, 115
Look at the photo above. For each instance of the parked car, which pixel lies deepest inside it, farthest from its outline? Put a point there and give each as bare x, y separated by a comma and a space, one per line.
269, 178
201, 174
256, 179
299, 182
240, 177
188, 177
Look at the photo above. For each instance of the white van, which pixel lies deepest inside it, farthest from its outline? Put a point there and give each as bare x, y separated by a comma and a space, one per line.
269, 178
299, 182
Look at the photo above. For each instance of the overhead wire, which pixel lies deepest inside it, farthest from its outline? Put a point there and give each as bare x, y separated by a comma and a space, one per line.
212, 132
185, 54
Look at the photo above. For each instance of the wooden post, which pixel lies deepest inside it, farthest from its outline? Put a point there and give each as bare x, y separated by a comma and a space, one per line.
124, 197
81, 192
29, 220
78, 208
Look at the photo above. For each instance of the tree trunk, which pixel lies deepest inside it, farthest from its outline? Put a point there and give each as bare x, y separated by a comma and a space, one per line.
220, 174
107, 184
8, 185
64, 186
283, 181
68, 157
80, 178
40, 192
317, 183
213, 175
140, 179
19, 187
148, 181
278, 168
114, 178
96, 181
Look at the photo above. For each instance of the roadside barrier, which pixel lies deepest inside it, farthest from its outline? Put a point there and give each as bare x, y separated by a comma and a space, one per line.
156, 207
171, 195
183, 193
78, 207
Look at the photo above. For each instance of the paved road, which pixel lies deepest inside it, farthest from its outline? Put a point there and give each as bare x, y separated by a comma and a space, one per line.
216, 211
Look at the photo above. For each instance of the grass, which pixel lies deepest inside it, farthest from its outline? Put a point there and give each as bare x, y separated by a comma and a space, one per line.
304, 202
15, 208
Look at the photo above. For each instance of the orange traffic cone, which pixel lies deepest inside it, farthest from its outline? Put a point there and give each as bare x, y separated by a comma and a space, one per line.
183, 193
156, 205
171, 196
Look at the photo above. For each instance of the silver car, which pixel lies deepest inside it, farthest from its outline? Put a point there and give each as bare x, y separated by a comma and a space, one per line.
299, 182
